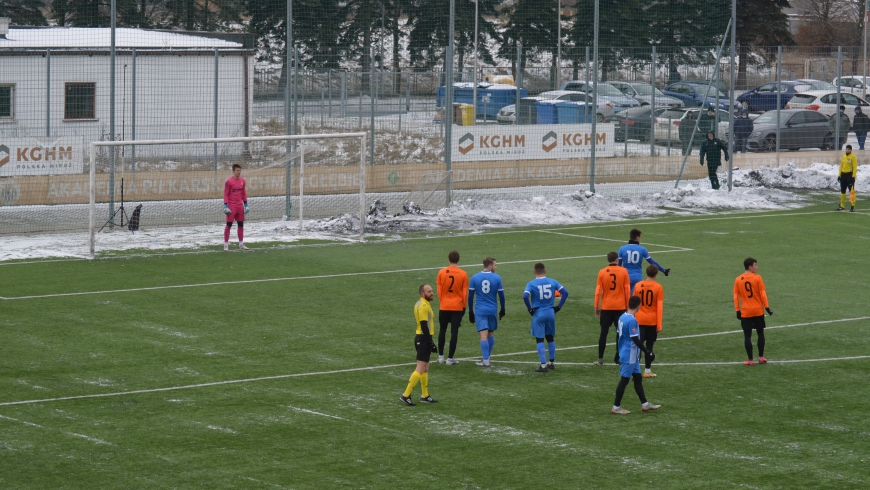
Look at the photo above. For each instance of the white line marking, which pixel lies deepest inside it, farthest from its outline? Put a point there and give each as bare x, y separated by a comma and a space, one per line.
312, 412
692, 336
297, 278
31, 424
717, 363
372, 368
682, 249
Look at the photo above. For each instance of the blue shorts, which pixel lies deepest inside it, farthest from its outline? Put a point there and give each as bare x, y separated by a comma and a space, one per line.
487, 322
631, 283
543, 323
626, 370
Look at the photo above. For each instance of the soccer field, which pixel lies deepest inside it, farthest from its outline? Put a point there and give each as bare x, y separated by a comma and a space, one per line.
282, 367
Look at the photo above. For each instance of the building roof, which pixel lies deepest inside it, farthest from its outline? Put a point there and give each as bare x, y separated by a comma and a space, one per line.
100, 38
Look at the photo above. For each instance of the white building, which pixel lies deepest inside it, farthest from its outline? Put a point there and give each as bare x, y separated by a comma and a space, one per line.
55, 84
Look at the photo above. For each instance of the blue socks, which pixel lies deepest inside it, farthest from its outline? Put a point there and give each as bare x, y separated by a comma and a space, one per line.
542, 354
491, 341
551, 346
485, 349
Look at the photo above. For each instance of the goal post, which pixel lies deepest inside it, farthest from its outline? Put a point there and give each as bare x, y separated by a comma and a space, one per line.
168, 159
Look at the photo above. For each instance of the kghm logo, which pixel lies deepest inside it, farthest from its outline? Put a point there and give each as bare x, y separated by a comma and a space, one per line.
4, 155
466, 143
548, 142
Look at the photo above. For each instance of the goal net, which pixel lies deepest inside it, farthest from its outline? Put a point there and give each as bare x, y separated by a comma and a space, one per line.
169, 193
429, 194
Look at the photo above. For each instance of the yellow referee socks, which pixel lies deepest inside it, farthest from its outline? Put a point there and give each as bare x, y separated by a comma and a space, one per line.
415, 378
842, 200
424, 384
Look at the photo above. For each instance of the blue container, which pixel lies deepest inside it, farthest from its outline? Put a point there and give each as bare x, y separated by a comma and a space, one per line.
571, 112
499, 97
546, 112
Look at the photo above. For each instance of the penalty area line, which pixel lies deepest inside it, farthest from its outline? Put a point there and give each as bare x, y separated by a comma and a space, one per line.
714, 363
299, 278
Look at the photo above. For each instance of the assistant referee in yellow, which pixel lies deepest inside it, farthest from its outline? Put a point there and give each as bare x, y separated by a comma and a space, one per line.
846, 178
425, 347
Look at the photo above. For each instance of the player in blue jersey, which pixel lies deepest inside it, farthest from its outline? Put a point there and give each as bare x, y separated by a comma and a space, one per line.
631, 257
487, 286
629, 345
538, 297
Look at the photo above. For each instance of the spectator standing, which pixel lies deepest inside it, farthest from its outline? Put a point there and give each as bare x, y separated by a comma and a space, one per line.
839, 138
743, 127
860, 124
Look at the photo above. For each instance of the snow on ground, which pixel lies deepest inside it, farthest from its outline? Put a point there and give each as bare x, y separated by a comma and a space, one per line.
477, 210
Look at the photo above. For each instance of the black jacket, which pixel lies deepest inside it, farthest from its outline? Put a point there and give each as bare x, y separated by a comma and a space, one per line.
711, 149
861, 123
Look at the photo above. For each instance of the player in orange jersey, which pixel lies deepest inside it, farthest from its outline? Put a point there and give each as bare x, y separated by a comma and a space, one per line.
649, 316
611, 300
749, 290
452, 299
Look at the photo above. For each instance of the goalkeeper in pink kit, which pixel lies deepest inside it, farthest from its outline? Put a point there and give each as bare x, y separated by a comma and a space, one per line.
235, 206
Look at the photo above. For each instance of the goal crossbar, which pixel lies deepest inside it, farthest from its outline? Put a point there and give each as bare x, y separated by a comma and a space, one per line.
363, 136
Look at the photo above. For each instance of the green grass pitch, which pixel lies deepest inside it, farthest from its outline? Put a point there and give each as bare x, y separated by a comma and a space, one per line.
333, 339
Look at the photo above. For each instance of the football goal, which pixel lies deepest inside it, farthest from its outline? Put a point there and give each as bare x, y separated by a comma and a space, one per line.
169, 193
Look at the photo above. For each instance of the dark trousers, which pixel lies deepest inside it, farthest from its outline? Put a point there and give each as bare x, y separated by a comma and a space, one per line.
711, 173
739, 145
648, 336
861, 138
685, 145
453, 319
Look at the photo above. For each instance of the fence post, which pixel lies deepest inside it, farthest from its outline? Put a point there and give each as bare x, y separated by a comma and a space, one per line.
374, 92
594, 99
133, 115
652, 113
519, 82
778, 99
448, 104
329, 87
48, 94
216, 66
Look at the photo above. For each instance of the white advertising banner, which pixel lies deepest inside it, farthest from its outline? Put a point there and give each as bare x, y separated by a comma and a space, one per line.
531, 142
20, 156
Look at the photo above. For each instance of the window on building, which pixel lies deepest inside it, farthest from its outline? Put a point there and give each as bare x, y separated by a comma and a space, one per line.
79, 102
6, 105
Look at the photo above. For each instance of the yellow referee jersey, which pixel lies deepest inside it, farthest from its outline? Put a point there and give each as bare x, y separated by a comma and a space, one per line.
423, 313
848, 165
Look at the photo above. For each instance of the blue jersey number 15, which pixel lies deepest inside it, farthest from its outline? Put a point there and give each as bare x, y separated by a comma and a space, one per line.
545, 291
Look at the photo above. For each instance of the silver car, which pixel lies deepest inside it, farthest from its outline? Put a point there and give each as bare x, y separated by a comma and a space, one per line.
643, 93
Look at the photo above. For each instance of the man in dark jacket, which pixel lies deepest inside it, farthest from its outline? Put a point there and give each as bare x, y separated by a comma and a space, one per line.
839, 139
687, 125
860, 124
711, 149
707, 122
742, 129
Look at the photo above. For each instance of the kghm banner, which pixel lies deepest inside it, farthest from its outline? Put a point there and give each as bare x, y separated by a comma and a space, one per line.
531, 142
19, 157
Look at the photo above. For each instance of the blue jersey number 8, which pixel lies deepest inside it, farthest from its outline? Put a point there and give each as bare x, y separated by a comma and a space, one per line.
484, 287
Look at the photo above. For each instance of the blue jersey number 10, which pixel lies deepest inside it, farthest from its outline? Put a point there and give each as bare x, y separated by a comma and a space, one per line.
545, 291
632, 257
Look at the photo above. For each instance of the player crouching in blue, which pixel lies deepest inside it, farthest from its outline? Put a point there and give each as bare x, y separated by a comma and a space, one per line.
538, 297
629, 345
487, 285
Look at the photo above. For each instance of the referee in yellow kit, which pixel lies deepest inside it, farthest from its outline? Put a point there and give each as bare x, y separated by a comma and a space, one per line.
846, 178
425, 347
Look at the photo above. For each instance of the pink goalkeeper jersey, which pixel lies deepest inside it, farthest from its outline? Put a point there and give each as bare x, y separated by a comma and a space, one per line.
234, 191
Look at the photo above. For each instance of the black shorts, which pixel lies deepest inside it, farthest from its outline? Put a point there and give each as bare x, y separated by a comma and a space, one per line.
446, 317
846, 182
753, 322
648, 332
610, 317
423, 345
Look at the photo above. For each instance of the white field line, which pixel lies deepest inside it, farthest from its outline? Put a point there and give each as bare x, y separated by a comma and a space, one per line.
692, 336
681, 249
31, 424
372, 368
299, 278
646, 221
717, 363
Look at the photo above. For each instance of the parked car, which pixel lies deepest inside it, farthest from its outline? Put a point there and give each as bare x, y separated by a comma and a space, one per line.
687, 116
719, 84
507, 115
798, 128
643, 93
814, 84
696, 95
763, 98
637, 122
606, 93
825, 102
853, 84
